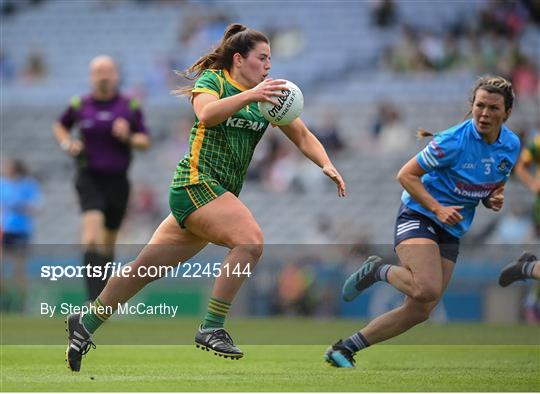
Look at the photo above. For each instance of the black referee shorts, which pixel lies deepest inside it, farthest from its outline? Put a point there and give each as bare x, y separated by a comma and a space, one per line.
104, 192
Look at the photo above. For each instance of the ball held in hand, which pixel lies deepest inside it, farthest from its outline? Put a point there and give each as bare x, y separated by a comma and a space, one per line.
288, 107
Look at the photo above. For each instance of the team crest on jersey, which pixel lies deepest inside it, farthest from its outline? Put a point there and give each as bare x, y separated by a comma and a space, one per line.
504, 166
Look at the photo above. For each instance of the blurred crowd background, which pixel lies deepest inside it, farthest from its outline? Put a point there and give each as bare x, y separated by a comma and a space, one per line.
371, 71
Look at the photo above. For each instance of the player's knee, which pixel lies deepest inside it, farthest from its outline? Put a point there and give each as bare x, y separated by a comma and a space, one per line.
251, 252
254, 251
250, 241
92, 239
90, 242
426, 293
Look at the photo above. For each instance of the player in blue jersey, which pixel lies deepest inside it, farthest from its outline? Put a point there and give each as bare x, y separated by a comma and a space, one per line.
461, 167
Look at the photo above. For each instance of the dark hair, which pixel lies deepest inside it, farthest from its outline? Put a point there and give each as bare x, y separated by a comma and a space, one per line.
236, 39
491, 84
495, 84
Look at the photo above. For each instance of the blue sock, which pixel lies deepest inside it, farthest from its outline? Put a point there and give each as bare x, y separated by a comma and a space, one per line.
528, 268
382, 272
355, 342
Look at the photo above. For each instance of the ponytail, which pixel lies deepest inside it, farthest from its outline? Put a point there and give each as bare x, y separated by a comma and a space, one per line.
236, 39
422, 133
231, 30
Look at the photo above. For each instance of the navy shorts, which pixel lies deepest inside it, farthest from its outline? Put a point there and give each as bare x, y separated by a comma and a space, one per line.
13, 241
412, 224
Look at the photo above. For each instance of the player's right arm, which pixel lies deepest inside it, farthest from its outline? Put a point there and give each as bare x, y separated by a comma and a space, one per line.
63, 137
410, 177
212, 110
440, 153
62, 126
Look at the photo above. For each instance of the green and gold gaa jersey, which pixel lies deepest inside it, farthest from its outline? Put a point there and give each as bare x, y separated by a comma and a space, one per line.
221, 153
531, 154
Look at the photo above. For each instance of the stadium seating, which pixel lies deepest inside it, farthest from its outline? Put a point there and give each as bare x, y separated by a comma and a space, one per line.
337, 69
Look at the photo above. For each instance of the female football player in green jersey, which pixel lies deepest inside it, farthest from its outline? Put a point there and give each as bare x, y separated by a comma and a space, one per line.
204, 193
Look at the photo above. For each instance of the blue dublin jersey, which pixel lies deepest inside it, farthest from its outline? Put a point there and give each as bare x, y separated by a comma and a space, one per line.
462, 169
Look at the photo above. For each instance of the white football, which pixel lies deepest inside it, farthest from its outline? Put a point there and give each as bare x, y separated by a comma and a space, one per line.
288, 108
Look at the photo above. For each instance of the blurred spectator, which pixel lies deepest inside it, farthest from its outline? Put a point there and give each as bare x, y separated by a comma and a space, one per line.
35, 69
144, 202
471, 52
452, 54
323, 231
439, 53
295, 289
308, 178
8, 8
7, 70
388, 130
525, 78
143, 215
533, 7
404, 56
384, 13
262, 157
531, 306
286, 41
529, 159
20, 198
433, 50
490, 46
282, 169
505, 18
328, 133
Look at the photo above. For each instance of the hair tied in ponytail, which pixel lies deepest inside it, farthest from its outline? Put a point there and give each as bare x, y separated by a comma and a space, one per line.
221, 57
233, 29
421, 133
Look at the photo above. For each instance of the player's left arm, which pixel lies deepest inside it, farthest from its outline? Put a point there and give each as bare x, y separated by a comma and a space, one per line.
132, 132
135, 139
139, 141
495, 200
312, 148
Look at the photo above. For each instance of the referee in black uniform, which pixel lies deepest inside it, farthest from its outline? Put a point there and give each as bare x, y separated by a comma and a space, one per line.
110, 125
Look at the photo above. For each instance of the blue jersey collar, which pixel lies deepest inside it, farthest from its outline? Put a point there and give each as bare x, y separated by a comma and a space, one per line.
477, 135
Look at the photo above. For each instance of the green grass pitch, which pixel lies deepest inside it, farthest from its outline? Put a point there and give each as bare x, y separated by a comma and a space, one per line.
402, 365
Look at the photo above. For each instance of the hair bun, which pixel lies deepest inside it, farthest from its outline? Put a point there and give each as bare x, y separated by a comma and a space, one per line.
232, 29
